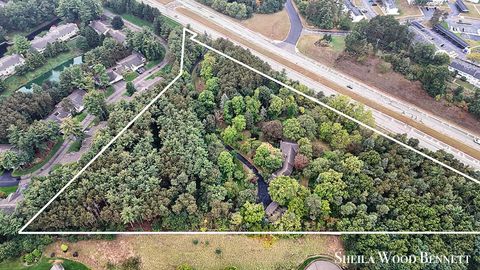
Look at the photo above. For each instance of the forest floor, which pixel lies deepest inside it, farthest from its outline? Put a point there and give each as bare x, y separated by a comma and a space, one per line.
201, 251
274, 26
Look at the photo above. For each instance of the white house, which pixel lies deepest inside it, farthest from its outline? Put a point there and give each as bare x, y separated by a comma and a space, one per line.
390, 7
354, 11
9, 63
467, 70
59, 33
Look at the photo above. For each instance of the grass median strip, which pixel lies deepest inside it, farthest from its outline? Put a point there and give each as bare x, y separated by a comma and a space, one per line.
339, 89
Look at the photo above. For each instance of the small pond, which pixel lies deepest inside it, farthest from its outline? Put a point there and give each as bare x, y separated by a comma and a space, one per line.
53, 75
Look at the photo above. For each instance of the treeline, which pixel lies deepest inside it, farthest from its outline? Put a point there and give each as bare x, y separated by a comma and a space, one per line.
142, 11
25, 15
325, 14
244, 9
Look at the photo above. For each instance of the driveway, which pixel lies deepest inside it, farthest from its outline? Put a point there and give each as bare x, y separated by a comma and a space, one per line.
296, 26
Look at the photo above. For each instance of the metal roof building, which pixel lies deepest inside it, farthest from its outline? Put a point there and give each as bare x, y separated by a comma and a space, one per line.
461, 6
451, 36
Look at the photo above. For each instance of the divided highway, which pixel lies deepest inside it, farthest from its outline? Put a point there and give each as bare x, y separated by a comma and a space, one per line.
391, 114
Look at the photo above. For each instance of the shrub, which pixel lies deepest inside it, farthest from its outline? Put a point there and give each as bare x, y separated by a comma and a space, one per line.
195, 241
75, 254
64, 247
185, 267
218, 251
29, 258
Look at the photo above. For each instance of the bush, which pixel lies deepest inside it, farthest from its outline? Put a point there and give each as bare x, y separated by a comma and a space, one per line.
195, 241
218, 251
185, 267
75, 254
64, 247
29, 258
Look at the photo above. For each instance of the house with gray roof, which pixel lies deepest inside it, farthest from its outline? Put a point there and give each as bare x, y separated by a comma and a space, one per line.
104, 28
9, 63
390, 7
62, 32
289, 151
354, 11
466, 69
76, 99
133, 62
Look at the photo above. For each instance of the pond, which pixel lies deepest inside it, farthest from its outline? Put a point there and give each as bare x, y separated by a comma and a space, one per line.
53, 75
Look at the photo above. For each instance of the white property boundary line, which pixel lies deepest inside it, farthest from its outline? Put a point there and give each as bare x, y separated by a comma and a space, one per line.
194, 35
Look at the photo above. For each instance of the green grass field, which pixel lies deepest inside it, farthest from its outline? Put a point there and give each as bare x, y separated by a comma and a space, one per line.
137, 21
8, 190
130, 76
43, 264
80, 117
22, 172
75, 146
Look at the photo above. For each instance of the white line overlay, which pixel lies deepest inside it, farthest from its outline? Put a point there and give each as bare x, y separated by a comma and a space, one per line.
192, 38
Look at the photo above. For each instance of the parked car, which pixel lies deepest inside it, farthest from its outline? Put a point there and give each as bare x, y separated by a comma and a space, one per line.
477, 140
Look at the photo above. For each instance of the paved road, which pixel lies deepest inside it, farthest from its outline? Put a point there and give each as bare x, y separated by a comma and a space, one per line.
296, 26
360, 88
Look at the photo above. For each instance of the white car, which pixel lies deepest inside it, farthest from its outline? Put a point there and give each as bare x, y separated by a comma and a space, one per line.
477, 140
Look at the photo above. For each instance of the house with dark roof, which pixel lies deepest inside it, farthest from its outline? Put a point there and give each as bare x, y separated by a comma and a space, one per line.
76, 99
461, 6
62, 32
289, 152
114, 77
454, 39
466, 69
9, 63
354, 11
104, 28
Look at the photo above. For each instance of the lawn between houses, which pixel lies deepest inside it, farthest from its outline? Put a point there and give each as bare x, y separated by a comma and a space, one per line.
16, 81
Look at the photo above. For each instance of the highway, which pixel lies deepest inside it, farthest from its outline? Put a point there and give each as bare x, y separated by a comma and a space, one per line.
177, 11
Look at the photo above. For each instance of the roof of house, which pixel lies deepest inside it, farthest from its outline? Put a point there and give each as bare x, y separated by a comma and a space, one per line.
451, 36
289, 151
466, 67
355, 11
9, 61
132, 62
53, 35
390, 4
57, 266
102, 27
77, 100
461, 6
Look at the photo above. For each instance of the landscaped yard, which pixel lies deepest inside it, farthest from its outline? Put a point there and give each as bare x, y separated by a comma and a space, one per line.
151, 64
80, 117
43, 264
275, 26
8, 190
200, 251
137, 21
130, 76
15, 82
21, 172
75, 146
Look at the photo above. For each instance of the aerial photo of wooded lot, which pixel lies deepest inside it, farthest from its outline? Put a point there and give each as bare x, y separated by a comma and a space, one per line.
223, 149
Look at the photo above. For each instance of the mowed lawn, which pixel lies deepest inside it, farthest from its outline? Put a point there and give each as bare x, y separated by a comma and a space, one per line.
326, 55
43, 264
274, 26
205, 252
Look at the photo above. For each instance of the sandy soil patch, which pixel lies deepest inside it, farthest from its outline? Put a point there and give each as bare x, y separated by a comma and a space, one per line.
274, 26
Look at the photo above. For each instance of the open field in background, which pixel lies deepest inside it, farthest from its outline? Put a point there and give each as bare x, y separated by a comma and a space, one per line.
275, 26
325, 55
205, 252
465, 120
407, 10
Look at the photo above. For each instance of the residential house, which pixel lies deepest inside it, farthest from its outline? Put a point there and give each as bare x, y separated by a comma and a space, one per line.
134, 62
103, 28
62, 32
289, 151
9, 63
60, 113
390, 7
114, 77
468, 70
57, 266
355, 12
